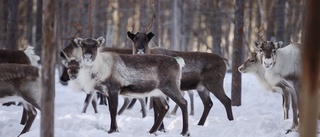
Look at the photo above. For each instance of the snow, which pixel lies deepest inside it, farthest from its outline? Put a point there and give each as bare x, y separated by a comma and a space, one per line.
260, 115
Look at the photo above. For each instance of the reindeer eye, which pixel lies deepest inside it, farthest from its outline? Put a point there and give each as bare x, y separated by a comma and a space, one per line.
260, 50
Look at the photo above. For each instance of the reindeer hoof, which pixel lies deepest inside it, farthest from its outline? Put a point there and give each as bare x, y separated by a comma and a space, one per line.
288, 131
162, 130
187, 134
113, 131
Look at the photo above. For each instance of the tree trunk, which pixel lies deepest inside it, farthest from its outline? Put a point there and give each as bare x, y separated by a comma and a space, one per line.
29, 21
12, 25
175, 33
237, 56
310, 72
38, 46
156, 27
47, 71
3, 22
270, 20
280, 20
216, 30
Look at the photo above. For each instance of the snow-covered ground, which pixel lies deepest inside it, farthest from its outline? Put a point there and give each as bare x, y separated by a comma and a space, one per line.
260, 115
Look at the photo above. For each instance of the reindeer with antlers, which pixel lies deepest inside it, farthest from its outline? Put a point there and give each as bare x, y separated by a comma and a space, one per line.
279, 69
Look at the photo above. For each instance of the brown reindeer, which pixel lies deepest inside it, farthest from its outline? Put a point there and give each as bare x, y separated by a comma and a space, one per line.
20, 82
203, 72
132, 75
25, 56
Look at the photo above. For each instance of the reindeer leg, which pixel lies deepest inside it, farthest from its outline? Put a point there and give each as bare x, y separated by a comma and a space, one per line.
31, 112
113, 106
190, 93
176, 96
218, 91
160, 110
24, 117
151, 103
174, 110
143, 107
207, 104
124, 106
94, 102
133, 101
285, 103
103, 100
294, 105
87, 101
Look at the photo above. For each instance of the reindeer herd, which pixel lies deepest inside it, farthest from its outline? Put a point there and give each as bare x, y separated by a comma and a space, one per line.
153, 73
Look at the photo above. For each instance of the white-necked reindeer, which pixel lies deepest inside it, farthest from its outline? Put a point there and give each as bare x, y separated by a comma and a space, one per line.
253, 65
20, 82
73, 52
203, 72
131, 75
282, 70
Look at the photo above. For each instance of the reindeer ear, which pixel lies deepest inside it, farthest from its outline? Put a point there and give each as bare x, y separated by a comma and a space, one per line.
278, 44
78, 41
150, 36
100, 40
130, 35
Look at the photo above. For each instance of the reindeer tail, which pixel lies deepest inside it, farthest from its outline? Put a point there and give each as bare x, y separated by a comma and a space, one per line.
31, 55
180, 61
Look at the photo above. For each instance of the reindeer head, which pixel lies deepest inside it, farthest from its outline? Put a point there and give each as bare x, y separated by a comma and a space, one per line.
266, 52
251, 64
140, 42
73, 69
72, 65
89, 48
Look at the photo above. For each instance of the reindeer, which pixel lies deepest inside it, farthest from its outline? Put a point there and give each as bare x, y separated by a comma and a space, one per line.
282, 70
253, 65
139, 48
132, 75
25, 56
203, 72
74, 52
20, 82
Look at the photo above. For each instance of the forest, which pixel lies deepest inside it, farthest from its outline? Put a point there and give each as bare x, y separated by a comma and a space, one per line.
227, 28
186, 25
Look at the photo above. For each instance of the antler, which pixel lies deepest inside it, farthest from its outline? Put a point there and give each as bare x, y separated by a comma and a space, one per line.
148, 27
260, 37
65, 55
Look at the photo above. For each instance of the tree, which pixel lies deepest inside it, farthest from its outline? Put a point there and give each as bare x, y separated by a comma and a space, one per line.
310, 72
280, 20
156, 28
237, 56
39, 28
47, 71
12, 25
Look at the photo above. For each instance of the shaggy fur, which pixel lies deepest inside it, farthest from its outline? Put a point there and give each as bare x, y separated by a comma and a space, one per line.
132, 75
20, 82
203, 72
253, 65
282, 69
